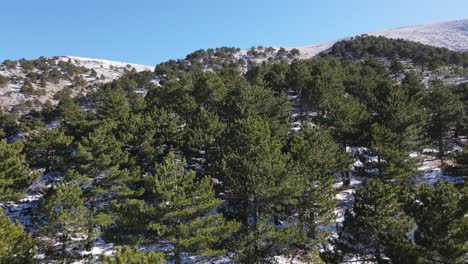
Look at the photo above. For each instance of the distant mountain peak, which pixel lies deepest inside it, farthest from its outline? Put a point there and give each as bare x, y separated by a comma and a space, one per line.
452, 35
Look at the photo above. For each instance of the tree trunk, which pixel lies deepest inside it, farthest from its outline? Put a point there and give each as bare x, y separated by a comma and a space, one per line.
64, 249
345, 174
177, 257
441, 150
301, 108
257, 248
379, 164
245, 211
47, 161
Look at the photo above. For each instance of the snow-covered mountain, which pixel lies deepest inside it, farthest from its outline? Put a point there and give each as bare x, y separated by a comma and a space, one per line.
451, 34
87, 73
110, 69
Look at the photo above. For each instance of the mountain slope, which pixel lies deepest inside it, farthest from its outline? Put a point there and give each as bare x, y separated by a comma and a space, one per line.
452, 35
33, 82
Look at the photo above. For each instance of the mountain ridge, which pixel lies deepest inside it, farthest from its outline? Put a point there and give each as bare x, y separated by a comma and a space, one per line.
451, 34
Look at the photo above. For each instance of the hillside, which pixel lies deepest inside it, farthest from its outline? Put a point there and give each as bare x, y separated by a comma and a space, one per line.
33, 82
238, 156
452, 35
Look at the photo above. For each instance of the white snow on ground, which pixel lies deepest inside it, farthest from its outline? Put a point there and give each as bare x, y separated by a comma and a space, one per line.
97, 63
431, 173
10, 94
451, 34
110, 69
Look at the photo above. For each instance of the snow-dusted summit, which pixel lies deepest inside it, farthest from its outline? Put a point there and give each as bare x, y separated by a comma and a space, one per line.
451, 34
110, 69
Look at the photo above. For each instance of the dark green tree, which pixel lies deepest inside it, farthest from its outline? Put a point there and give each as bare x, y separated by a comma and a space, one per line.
253, 172
440, 216
444, 109
377, 228
15, 176
209, 90
127, 255
16, 247
188, 210
65, 221
326, 83
48, 148
297, 79
315, 158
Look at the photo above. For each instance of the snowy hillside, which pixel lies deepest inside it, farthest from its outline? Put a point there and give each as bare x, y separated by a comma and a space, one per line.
47, 76
110, 69
452, 35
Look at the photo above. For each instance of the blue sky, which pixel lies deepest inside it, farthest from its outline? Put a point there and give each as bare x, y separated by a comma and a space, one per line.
149, 32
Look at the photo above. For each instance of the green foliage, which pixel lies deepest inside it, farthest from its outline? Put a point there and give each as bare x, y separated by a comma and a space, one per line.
16, 247
420, 54
8, 124
48, 148
65, 221
247, 101
127, 255
270, 190
254, 174
100, 152
377, 226
188, 210
346, 117
444, 110
315, 157
440, 216
115, 106
209, 90
326, 83
15, 176
3, 81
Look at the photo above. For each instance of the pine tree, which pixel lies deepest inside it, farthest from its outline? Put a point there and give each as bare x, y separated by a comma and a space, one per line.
245, 101
275, 78
396, 66
138, 136
65, 221
202, 130
315, 157
73, 118
440, 216
252, 169
114, 105
48, 148
377, 226
188, 209
15, 176
297, 79
346, 117
209, 90
397, 124
127, 255
444, 110
326, 83
16, 247
100, 153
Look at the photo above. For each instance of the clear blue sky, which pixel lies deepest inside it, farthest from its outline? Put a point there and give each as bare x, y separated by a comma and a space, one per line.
148, 32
